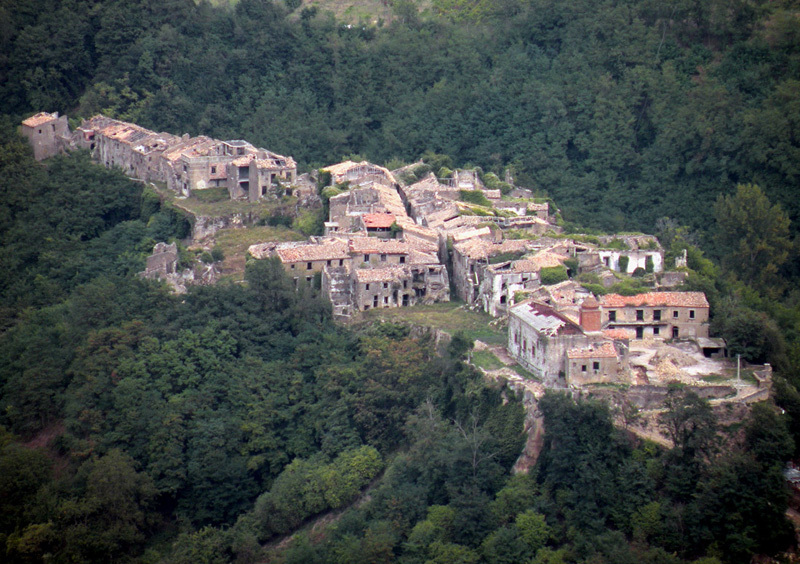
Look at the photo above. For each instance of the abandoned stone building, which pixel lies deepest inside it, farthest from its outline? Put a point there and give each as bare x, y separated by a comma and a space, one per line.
539, 338
567, 297
471, 257
596, 348
136, 150
600, 362
661, 315
47, 133
163, 261
183, 163
359, 174
427, 196
360, 272
639, 252
501, 282
347, 208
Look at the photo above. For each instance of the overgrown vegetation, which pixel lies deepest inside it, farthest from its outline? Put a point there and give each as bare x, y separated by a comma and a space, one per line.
186, 430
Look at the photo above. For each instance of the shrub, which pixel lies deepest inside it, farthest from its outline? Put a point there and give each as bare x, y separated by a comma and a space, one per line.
323, 180
217, 255
623, 263
617, 244
553, 275
474, 197
572, 266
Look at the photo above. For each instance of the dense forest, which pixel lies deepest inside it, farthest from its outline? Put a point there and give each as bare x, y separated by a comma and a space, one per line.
138, 426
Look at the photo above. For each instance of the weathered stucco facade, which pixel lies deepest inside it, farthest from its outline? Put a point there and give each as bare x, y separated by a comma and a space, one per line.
539, 338
186, 163
663, 315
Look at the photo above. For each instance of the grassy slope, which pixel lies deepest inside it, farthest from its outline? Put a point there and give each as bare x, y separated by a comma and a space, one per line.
449, 317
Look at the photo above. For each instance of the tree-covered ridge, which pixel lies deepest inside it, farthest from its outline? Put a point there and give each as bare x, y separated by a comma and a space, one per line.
624, 112
144, 427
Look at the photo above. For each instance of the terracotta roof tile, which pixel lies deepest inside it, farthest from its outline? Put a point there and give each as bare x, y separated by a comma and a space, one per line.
616, 334
657, 299
368, 245
330, 250
378, 220
39, 119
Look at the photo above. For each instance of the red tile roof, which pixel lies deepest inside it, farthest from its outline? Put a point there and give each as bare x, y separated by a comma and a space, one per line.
378, 220
616, 334
367, 245
39, 119
657, 299
301, 253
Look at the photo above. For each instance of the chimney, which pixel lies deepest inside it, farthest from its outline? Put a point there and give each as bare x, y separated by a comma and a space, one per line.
590, 317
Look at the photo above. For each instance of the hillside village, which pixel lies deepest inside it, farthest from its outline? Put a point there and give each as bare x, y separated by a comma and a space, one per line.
395, 239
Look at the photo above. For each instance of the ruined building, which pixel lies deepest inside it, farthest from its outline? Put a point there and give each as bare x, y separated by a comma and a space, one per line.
358, 273
48, 134
182, 163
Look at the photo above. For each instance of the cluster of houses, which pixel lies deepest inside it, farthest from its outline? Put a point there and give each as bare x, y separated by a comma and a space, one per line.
396, 243
593, 347
183, 163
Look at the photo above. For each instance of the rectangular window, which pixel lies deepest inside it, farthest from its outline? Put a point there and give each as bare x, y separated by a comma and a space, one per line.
308, 266
402, 260
375, 301
308, 279
329, 263
691, 314
292, 267
366, 286
341, 262
675, 314
385, 284
595, 366
213, 170
639, 315
385, 300
612, 315
366, 258
405, 283
656, 331
383, 258
640, 332
657, 315
583, 368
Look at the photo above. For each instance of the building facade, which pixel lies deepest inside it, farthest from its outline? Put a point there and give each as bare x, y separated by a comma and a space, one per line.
661, 315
